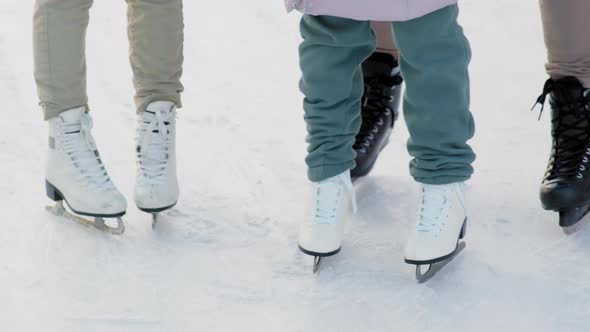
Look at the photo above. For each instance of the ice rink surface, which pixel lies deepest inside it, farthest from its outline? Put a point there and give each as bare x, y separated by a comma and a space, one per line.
225, 259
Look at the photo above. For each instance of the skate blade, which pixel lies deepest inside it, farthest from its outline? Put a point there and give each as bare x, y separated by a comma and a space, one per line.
570, 220
426, 272
99, 223
317, 263
156, 213
577, 226
155, 220
318, 257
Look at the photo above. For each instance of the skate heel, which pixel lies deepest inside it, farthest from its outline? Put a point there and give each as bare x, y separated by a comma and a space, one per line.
463, 230
52, 192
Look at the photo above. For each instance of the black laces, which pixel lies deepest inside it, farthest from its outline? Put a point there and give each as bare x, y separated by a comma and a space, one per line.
570, 128
376, 101
547, 89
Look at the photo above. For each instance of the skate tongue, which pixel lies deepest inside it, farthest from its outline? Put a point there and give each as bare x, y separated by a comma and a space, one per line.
380, 64
154, 140
73, 115
568, 90
431, 206
160, 106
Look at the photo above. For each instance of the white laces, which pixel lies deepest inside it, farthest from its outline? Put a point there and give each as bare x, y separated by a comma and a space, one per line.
434, 204
154, 138
328, 195
78, 144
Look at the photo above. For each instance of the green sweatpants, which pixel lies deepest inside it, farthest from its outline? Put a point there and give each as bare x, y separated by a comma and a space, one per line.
434, 55
155, 31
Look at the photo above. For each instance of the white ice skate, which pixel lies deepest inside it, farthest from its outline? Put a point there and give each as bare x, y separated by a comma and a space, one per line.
156, 186
75, 174
321, 233
442, 222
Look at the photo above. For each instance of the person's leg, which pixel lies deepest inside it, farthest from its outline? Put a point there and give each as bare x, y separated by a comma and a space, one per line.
434, 56
385, 40
156, 31
74, 172
565, 185
59, 32
567, 36
156, 35
332, 82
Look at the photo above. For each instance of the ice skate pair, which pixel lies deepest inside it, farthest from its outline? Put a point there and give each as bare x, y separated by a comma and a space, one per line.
75, 172
432, 242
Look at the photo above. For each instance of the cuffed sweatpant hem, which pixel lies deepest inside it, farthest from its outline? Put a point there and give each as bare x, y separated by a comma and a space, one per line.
442, 179
143, 102
320, 173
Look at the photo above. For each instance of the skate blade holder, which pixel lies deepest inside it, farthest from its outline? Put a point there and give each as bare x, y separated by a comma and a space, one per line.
572, 220
317, 263
99, 223
425, 272
155, 220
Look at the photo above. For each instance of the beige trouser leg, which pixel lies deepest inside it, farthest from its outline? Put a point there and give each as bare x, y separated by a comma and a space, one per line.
567, 35
385, 41
59, 28
156, 39
59, 34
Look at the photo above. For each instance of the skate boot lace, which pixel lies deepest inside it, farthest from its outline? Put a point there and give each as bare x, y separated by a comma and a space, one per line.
375, 102
79, 145
154, 139
570, 132
434, 203
328, 195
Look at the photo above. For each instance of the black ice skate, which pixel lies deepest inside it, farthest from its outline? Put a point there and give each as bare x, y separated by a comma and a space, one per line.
380, 108
566, 185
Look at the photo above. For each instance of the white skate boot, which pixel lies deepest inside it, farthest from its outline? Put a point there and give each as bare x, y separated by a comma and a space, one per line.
321, 234
442, 221
75, 174
156, 186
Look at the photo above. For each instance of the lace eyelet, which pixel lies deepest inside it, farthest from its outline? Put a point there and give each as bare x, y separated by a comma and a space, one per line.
380, 122
582, 168
585, 160
580, 176
375, 130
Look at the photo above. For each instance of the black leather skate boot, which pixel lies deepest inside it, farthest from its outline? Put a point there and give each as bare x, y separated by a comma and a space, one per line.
566, 184
380, 109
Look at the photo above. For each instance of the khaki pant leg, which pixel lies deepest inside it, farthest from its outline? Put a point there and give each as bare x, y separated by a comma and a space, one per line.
155, 29
566, 25
59, 33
